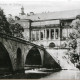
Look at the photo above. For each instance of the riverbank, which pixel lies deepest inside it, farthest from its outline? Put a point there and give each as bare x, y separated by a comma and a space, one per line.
59, 74
30, 74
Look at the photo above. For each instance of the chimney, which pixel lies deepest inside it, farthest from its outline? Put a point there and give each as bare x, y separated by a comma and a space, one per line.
17, 18
31, 13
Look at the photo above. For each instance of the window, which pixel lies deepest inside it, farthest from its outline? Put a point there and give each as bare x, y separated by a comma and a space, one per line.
41, 35
64, 33
56, 33
47, 33
44, 33
52, 33
37, 35
33, 35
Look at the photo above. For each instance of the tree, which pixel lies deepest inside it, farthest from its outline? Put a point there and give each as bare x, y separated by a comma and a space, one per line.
7, 28
17, 30
75, 32
76, 26
73, 43
74, 36
10, 19
4, 25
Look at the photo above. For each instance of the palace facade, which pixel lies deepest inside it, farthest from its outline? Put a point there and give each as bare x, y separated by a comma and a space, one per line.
50, 31
46, 28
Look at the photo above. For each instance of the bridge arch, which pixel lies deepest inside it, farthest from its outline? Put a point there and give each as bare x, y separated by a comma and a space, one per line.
19, 58
33, 57
5, 61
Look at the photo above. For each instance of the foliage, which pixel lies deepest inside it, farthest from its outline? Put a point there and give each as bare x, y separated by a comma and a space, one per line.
16, 30
76, 26
7, 28
75, 32
10, 19
74, 57
42, 45
73, 44
63, 45
4, 25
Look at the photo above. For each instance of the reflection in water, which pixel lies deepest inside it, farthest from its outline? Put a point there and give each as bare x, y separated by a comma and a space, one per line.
64, 74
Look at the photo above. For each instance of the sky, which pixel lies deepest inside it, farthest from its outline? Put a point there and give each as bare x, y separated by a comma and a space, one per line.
37, 6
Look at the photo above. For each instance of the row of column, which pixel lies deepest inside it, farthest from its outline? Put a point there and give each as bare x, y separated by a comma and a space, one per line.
46, 34
53, 35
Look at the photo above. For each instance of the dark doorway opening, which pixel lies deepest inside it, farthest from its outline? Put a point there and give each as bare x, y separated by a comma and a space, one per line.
51, 45
33, 57
5, 62
19, 57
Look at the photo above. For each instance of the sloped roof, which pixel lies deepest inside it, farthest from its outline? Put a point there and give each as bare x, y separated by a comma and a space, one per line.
70, 14
39, 23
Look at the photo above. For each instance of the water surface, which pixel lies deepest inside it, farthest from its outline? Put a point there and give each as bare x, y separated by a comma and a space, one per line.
64, 74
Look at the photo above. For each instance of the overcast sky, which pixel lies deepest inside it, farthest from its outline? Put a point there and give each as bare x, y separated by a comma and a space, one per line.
37, 6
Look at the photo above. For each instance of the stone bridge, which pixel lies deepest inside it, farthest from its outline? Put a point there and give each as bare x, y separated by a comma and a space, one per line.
16, 53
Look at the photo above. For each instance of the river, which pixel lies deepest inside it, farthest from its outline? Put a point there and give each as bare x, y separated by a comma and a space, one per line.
64, 74
49, 74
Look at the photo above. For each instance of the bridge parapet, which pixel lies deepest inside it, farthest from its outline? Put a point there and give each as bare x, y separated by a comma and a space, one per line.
21, 40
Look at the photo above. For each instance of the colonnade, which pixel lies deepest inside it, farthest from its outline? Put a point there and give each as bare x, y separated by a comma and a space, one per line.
46, 34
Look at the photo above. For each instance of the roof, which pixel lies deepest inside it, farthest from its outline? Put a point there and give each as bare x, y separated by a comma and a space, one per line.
40, 23
69, 14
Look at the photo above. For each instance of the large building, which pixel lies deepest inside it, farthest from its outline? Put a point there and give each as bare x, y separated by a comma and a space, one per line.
46, 28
